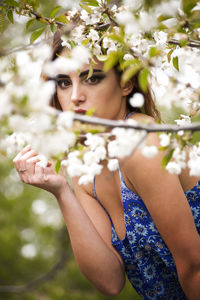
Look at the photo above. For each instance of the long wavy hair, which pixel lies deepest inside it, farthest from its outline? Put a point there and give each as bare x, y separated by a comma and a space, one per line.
149, 107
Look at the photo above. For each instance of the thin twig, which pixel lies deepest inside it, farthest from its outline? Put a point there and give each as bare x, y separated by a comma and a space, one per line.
41, 279
194, 44
49, 20
146, 127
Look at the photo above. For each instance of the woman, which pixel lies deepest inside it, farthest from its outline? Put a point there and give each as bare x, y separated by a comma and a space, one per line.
138, 221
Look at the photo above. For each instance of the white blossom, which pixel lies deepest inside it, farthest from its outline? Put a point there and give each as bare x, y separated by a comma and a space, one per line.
113, 164
173, 168
137, 100
100, 153
85, 179
90, 172
149, 151
124, 17
93, 35
124, 143
14, 143
90, 158
164, 139
128, 56
43, 161
90, 19
109, 44
160, 37
6, 106
185, 120
194, 160
94, 141
79, 56
75, 170
65, 119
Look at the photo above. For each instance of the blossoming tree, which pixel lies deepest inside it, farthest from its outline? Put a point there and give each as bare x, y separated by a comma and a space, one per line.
158, 40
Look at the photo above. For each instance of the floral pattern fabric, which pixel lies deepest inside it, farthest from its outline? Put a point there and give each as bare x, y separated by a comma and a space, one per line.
148, 262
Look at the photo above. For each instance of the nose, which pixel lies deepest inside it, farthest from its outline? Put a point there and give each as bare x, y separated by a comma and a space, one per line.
78, 96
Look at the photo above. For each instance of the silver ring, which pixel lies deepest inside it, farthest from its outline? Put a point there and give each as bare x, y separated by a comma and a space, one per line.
22, 170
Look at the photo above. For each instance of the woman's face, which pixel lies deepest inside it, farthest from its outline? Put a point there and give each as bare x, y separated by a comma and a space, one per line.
102, 92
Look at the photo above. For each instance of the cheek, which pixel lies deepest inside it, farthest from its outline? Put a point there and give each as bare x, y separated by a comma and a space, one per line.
63, 99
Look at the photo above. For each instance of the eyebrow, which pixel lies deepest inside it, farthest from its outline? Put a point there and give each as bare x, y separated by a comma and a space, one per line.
84, 73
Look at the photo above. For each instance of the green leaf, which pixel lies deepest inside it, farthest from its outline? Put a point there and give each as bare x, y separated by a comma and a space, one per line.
112, 60
90, 70
167, 158
90, 112
169, 54
187, 6
10, 16
62, 18
126, 63
102, 58
34, 3
153, 51
54, 11
85, 42
72, 44
175, 63
130, 72
143, 79
58, 165
12, 3
2, 21
36, 34
53, 28
87, 8
117, 38
29, 23
90, 2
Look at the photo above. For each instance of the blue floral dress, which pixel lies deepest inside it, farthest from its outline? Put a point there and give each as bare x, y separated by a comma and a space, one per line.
148, 262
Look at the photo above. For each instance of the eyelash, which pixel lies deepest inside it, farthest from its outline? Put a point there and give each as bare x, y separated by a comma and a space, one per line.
97, 78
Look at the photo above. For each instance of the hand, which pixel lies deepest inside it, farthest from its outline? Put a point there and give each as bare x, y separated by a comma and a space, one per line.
30, 171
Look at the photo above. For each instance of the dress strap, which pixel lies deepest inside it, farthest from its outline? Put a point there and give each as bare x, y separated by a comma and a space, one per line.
95, 195
129, 115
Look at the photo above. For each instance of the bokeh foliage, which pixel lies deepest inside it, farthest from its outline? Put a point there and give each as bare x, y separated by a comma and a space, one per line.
17, 217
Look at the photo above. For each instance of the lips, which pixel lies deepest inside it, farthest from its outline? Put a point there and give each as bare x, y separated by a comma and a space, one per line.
80, 111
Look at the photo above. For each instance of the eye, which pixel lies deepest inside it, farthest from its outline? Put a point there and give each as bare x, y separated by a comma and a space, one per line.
63, 83
94, 79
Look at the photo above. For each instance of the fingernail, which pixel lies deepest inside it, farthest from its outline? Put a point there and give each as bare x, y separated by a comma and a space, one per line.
27, 147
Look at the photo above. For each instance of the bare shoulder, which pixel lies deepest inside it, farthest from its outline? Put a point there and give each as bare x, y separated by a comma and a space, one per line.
140, 117
165, 200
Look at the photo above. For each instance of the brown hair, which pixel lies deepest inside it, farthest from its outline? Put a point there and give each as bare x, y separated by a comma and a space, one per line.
149, 105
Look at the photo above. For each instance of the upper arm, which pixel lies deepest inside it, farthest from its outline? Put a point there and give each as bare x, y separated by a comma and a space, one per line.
97, 215
165, 200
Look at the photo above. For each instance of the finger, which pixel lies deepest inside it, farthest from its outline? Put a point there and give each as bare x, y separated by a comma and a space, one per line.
24, 150
39, 171
21, 165
16, 160
30, 164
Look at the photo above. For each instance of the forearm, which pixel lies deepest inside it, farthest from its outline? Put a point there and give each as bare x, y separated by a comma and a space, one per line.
95, 258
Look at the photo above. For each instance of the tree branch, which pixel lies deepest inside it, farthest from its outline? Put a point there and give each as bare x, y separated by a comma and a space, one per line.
146, 127
49, 20
41, 279
193, 43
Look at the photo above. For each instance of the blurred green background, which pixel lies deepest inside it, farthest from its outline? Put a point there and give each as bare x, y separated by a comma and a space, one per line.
33, 240
35, 252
